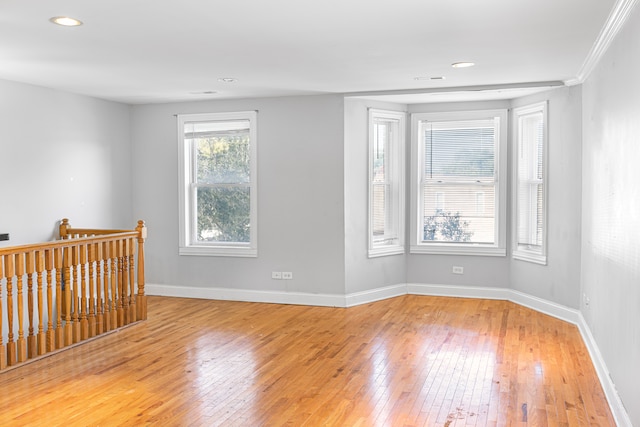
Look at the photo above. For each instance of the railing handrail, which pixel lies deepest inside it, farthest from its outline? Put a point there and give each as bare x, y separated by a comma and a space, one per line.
94, 231
61, 243
62, 292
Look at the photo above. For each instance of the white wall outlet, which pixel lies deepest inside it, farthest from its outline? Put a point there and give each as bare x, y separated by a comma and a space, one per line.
276, 275
457, 269
287, 275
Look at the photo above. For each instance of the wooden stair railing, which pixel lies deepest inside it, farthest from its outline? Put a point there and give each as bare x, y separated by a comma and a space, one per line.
88, 283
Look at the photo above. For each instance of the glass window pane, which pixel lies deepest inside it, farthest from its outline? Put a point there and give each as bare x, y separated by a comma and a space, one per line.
381, 133
222, 214
530, 201
467, 216
222, 156
381, 210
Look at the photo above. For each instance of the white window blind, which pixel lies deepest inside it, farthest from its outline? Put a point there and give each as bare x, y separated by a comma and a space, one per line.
460, 197
386, 182
459, 163
530, 183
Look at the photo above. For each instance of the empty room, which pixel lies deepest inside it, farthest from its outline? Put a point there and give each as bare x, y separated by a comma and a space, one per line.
338, 213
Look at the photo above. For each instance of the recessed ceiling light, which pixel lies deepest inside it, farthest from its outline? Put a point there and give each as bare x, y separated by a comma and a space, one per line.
463, 64
66, 21
227, 80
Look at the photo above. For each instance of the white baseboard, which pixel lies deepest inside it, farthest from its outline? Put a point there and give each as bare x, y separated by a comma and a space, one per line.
229, 294
547, 307
373, 295
457, 291
349, 300
611, 393
278, 297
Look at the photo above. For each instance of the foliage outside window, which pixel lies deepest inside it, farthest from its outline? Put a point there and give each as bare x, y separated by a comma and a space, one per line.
218, 196
458, 194
386, 182
531, 183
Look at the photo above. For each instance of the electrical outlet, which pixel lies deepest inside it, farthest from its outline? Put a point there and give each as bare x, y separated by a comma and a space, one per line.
457, 270
277, 275
287, 275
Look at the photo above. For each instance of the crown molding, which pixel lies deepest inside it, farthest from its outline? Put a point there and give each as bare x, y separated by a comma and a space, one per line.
615, 21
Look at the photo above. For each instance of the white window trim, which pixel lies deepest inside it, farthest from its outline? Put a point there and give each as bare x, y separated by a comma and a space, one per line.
398, 158
520, 252
499, 247
186, 200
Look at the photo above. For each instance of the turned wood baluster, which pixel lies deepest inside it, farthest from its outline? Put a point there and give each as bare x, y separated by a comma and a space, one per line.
99, 301
84, 271
142, 298
105, 283
113, 254
125, 281
31, 338
120, 283
11, 345
41, 347
92, 286
22, 343
75, 294
133, 314
3, 349
59, 297
68, 330
48, 265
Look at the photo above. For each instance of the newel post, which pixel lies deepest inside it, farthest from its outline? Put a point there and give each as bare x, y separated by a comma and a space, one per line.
142, 298
64, 226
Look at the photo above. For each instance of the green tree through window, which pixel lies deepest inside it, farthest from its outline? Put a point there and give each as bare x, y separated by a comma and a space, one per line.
223, 170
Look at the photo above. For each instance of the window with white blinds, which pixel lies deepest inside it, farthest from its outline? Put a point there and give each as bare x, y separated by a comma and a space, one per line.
386, 182
457, 169
530, 183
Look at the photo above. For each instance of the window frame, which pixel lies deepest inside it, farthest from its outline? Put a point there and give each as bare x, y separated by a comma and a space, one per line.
527, 252
417, 245
188, 187
396, 182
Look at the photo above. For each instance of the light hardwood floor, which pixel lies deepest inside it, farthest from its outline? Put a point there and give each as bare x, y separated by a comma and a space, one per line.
406, 361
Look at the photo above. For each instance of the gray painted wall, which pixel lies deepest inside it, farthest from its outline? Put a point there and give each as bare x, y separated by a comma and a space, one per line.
300, 205
363, 273
559, 280
61, 155
611, 210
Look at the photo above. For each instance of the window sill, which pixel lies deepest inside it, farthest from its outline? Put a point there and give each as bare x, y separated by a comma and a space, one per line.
474, 250
386, 251
533, 257
219, 251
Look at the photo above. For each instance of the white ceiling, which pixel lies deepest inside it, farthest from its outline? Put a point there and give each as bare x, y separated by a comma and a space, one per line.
147, 51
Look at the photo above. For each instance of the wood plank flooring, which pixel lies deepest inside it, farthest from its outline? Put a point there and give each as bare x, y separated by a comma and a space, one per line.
406, 361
